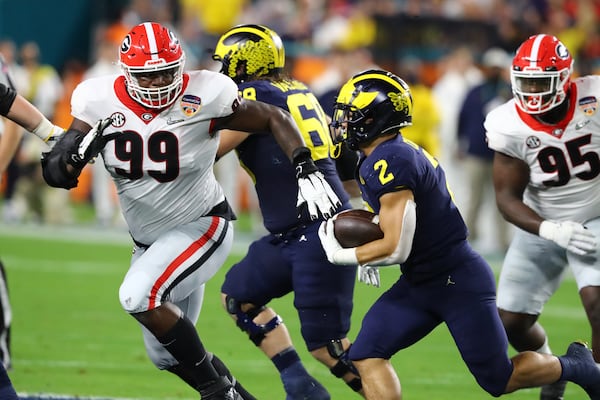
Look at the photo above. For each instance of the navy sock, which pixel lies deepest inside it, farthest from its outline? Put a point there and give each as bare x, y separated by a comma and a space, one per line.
298, 383
567, 369
285, 359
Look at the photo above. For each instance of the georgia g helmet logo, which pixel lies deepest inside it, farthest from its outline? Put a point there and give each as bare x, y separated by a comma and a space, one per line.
562, 51
126, 44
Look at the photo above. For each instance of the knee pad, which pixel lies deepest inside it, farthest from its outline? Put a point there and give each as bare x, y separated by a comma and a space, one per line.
256, 332
344, 364
133, 293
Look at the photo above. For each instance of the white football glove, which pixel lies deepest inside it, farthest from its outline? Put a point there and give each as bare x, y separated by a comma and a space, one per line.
569, 235
315, 191
368, 275
336, 254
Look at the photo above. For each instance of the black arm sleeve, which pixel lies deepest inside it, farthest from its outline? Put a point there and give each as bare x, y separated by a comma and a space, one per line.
54, 163
7, 98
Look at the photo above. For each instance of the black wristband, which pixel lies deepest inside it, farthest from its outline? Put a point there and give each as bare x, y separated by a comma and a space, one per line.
300, 154
303, 163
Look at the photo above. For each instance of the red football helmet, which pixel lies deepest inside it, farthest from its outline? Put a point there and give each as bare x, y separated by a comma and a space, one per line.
149, 48
541, 74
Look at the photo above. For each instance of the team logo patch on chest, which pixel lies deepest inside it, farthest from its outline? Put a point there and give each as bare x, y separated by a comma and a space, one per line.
588, 105
190, 104
118, 119
533, 142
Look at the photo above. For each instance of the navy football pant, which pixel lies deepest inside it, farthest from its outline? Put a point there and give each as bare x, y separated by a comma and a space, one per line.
275, 266
464, 299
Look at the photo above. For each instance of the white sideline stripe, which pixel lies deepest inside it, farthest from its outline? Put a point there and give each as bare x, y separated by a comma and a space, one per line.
79, 267
93, 234
86, 234
76, 267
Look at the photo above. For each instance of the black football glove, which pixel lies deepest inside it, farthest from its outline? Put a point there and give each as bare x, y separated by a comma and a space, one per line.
313, 189
91, 144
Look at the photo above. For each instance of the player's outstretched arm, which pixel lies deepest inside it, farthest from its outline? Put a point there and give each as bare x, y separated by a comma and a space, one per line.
21, 112
313, 190
9, 143
256, 116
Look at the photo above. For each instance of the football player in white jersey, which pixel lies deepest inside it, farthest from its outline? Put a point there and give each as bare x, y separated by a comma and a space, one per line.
156, 128
547, 181
20, 111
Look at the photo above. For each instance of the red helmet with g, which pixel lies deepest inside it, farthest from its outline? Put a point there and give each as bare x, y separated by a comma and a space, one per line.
149, 49
541, 74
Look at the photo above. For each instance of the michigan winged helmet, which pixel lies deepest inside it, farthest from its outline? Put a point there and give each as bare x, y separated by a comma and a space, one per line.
371, 104
250, 51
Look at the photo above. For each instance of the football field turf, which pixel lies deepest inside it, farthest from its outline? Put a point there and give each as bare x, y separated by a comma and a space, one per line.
70, 336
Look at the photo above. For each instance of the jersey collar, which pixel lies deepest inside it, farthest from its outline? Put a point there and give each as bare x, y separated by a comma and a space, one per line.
556, 130
144, 113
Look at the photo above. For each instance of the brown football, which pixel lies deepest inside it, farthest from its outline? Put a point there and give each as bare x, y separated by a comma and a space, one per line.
356, 227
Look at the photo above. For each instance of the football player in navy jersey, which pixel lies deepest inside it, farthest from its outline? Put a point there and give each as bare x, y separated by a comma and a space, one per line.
443, 279
289, 259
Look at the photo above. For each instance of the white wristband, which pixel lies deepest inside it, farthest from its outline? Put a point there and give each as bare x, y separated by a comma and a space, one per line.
345, 257
547, 230
45, 130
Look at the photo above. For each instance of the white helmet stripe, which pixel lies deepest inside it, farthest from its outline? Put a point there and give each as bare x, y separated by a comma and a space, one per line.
535, 50
151, 40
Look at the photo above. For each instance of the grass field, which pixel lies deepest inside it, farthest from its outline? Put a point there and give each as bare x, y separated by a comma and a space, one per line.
70, 335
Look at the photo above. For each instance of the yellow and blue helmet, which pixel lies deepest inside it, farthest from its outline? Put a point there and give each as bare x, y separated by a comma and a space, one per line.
371, 104
249, 51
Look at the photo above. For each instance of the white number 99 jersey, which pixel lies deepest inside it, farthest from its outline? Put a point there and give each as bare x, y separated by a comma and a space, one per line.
563, 159
162, 160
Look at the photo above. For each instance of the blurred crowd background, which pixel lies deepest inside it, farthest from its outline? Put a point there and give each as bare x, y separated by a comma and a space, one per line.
444, 49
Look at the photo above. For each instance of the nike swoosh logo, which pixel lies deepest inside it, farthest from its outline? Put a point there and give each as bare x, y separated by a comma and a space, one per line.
171, 121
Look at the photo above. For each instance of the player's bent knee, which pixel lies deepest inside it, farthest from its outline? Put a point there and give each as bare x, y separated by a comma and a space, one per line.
133, 293
245, 320
493, 378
